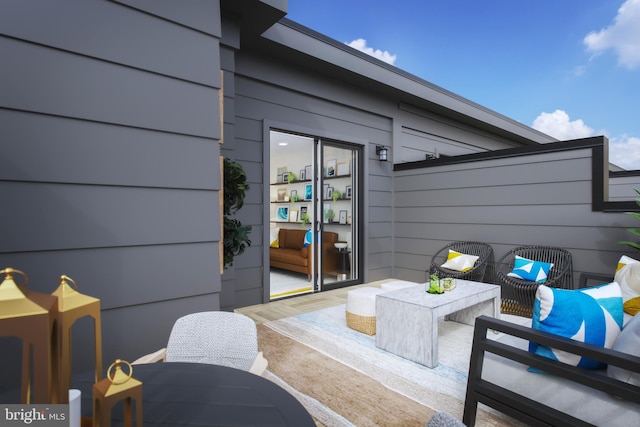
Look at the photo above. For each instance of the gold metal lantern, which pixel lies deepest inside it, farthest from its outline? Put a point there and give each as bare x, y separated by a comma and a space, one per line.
72, 305
117, 386
30, 316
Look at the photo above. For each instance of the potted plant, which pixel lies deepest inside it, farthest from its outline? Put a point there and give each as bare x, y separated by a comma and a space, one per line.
236, 235
305, 218
330, 215
336, 195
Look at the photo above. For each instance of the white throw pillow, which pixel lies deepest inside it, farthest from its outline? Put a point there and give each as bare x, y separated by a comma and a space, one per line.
459, 262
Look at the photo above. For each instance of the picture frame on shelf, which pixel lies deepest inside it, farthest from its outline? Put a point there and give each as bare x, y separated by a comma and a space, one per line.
325, 188
303, 210
294, 195
302, 176
308, 171
343, 168
281, 172
293, 216
308, 191
282, 194
347, 192
329, 193
285, 177
342, 218
331, 167
282, 214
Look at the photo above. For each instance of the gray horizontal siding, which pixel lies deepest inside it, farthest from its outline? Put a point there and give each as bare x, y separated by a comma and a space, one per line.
540, 199
110, 124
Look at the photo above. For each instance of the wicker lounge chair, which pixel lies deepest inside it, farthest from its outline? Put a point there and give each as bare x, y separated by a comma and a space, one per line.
483, 269
517, 294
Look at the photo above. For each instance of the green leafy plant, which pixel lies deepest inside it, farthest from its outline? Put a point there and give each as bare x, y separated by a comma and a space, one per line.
305, 218
336, 195
236, 235
434, 285
330, 215
634, 231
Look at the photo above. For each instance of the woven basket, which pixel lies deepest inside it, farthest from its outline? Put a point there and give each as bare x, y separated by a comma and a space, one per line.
364, 324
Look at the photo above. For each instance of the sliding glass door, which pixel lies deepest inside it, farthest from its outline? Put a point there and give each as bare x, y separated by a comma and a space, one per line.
313, 211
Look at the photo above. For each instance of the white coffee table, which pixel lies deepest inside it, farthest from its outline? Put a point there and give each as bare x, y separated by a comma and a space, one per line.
407, 319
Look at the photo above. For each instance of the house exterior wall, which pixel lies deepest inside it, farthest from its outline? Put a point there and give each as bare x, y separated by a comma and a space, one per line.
541, 197
272, 93
109, 123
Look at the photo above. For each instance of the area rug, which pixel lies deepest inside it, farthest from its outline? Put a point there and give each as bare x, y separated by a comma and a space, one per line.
343, 379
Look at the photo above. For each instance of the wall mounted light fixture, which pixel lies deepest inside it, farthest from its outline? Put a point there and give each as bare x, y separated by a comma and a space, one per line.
382, 153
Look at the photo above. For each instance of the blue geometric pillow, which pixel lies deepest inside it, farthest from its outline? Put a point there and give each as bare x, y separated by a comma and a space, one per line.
527, 269
592, 315
308, 238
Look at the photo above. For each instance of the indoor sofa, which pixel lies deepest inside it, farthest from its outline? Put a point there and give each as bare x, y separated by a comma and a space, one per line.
290, 253
560, 395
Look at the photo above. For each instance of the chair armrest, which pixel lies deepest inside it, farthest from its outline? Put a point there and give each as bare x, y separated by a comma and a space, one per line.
259, 364
156, 356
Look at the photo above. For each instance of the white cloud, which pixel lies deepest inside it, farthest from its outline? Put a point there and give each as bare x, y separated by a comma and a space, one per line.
361, 45
559, 125
625, 152
623, 35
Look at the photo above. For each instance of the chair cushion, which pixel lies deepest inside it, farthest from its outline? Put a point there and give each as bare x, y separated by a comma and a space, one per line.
628, 342
531, 270
459, 262
592, 315
628, 276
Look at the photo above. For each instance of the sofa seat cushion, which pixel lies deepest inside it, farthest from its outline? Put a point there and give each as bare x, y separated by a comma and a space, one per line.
585, 403
290, 256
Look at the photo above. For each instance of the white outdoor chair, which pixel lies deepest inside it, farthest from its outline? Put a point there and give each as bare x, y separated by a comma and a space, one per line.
215, 337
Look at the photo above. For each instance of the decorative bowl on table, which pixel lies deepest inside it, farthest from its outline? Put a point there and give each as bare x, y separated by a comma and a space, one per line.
340, 245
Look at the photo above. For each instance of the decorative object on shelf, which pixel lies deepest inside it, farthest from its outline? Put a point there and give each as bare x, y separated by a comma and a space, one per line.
328, 195
282, 214
308, 172
281, 171
72, 305
303, 174
347, 192
293, 216
292, 177
330, 215
304, 217
285, 177
236, 235
294, 196
342, 218
331, 167
282, 193
117, 387
325, 209
30, 316
382, 153
433, 286
308, 191
335, 195
343, 168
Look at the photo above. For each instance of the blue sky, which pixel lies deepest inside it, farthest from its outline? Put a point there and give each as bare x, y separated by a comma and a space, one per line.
569, 68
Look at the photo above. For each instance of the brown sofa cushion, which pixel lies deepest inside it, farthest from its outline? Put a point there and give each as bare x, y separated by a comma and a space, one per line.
291, 239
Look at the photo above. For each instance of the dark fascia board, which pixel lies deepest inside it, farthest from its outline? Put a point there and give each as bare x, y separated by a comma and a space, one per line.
599, 146
256, 15
353, 64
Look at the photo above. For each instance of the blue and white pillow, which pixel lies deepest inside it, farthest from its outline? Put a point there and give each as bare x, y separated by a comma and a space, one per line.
308, 238
591, 315
527, 269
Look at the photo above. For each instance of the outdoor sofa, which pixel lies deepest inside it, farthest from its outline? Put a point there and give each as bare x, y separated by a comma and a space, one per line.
562, 395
